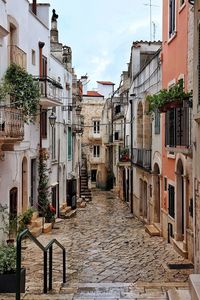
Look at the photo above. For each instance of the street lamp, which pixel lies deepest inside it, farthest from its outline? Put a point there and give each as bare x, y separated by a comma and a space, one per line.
52, 119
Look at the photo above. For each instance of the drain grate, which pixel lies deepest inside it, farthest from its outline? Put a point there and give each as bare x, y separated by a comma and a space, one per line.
178, 266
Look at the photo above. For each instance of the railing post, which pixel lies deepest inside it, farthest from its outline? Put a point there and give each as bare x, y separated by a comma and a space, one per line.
64, 266
18, 267
45, 272
50, 267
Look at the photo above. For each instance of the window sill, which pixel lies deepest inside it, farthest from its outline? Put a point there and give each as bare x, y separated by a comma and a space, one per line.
172, 37
182, 7
178, 149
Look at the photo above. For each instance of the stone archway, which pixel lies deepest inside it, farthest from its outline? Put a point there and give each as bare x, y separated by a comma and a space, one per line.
156, 193
140, 126
180, 202
24, 184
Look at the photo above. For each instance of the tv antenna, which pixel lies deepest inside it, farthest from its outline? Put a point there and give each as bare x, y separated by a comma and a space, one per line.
150, 15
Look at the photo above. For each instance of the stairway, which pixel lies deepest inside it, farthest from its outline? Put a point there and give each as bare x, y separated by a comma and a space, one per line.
85, 191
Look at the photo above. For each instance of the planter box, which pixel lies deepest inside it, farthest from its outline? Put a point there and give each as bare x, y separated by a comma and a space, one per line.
8, 282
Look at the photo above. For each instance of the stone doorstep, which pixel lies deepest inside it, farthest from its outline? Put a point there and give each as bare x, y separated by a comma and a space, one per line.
47, 228
178, 246
178, 294
194, 282
152, 230
34, 216
37, 222
65, 210
36, 231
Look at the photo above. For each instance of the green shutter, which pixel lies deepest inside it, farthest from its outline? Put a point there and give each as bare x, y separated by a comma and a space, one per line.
69, 143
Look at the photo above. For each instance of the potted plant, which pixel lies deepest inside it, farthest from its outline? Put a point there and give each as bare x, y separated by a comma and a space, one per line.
8, 224
24, 219
165, 100
8, 279
50, 214
124, 154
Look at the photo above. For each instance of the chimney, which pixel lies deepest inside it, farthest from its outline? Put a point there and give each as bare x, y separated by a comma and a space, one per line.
34, 7
54, 30
67, 58
84, 81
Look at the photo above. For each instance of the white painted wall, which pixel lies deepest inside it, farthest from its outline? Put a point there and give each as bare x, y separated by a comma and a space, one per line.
105, 90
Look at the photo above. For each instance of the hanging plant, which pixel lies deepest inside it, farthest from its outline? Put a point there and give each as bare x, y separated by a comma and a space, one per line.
167, 99
23, 91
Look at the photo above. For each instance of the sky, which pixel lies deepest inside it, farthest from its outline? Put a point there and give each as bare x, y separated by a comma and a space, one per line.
101, 32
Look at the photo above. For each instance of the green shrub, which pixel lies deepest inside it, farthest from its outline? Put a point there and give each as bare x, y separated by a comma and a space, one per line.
7, 259
24, 219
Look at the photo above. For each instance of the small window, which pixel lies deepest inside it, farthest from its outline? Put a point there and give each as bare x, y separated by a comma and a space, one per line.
93, 175
171, 203
117, 109
33, 57
165, 183
172, 17
96, 151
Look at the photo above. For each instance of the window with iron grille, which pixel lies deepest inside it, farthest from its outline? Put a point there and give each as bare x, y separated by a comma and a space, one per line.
171, 202
96, 151
177, 127
157, 122
96, 127
172, 17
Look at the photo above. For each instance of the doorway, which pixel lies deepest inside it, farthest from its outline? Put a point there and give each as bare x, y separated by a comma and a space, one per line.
156, 193
13, 211
24, 184
180, 209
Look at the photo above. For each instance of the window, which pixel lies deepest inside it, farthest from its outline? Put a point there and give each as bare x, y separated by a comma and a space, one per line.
171, 204
177, 127
157, 122
53, 132
96, 127
93, 175
44, 124
69, 143
96, 151
44, 66
172, 17
117, 109
116, 135
165, 183
33, 57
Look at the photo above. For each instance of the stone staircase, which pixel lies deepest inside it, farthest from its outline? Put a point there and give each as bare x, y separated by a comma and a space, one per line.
85, 191
37, 225
66, 212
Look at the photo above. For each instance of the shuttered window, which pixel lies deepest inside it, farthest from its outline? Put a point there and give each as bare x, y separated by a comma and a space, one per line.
171, 202
69, 143
157, 122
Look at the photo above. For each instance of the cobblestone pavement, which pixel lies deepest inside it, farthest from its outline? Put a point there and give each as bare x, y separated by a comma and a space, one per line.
104, 244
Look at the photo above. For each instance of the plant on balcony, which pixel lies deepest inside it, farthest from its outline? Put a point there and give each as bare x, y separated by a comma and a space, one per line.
167, 99
23, 91
124, 154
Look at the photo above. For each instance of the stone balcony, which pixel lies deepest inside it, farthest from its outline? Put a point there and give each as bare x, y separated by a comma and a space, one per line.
18, 56
11, 125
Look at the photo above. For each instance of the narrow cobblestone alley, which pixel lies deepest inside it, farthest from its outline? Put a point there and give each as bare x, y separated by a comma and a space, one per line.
104, 244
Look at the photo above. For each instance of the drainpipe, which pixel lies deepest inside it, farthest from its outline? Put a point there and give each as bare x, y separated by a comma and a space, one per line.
34, 7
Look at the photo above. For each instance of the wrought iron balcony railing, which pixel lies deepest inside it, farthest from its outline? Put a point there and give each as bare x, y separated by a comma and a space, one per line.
50, 89
11, 123
142, 158
18, 56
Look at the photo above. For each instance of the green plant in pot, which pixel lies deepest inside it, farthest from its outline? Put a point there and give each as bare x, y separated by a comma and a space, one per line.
8, 270
24, 219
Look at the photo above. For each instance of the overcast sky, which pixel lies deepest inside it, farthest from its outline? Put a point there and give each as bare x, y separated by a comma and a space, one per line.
101, 33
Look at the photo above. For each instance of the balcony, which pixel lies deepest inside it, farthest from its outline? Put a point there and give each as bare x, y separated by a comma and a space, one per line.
50, 92
78, 125
93, 136
11, 125
118, 112
142, 158
18, 56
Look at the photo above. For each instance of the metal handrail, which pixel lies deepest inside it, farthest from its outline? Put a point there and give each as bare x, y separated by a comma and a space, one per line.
45, 250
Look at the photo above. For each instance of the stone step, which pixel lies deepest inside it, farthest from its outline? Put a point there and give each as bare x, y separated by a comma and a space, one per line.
179, 294
34, 216
36, 231
69, 215
152, 230
47, 227
194, 282
179, 247
65, 210
37, 222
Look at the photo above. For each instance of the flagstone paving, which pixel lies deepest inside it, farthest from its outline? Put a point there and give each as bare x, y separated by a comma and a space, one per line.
104, 244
